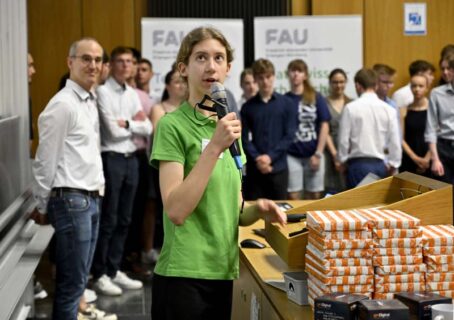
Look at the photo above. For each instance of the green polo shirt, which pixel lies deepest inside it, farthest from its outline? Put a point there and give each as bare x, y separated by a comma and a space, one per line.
206, 245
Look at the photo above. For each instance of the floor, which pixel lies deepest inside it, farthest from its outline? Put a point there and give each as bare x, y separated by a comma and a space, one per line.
131, 305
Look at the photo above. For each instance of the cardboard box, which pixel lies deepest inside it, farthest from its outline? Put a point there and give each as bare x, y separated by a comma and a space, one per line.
382, 310
296, 287
420, 303
337, 306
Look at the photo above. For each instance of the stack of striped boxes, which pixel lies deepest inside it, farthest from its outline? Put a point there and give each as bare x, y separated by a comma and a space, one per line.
338, 254
438, 251
397, 259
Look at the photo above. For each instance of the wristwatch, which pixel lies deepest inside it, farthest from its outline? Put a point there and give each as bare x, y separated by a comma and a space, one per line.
318, 154
127, 124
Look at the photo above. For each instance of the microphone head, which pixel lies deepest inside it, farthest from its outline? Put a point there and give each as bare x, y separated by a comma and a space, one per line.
218, 91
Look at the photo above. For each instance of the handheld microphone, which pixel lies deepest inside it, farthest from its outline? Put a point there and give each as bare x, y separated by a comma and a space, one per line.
219, 95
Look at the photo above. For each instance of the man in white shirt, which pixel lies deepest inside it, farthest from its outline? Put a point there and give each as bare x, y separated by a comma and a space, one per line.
367, 126
403, 96
121, 116
68, 175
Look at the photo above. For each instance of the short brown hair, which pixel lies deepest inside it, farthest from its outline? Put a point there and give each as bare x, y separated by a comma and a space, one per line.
119, 51
420, 66
262, 66
366, 78
244, 73
383, 69
450, 58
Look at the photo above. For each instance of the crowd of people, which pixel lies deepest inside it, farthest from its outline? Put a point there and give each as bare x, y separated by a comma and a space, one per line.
104, 135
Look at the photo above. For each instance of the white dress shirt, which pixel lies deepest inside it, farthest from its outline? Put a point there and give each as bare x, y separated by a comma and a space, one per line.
117, 102
367, 126
69, 152
403, 97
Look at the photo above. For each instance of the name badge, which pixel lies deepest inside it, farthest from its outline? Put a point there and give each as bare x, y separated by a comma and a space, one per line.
204, 145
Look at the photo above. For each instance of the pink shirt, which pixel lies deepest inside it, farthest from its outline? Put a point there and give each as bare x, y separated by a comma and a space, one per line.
143, 142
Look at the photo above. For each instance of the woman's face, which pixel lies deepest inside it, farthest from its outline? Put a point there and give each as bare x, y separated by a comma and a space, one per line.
207, 64
296, 77
418, 85
177, 87
337, 84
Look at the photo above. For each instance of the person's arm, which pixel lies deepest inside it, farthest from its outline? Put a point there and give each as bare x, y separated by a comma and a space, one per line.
53, 125
437, 166
343, 144
139, 123
157, 112
290, 126
248, 146
323, 135
107, 117
430, 135
394, 143
180, 195
262, 209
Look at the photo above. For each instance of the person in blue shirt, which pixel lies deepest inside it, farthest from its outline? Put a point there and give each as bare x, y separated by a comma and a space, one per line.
269, 124
305, 156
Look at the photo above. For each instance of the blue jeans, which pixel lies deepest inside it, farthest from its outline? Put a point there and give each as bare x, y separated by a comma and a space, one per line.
358, 168
75, 218
122, 176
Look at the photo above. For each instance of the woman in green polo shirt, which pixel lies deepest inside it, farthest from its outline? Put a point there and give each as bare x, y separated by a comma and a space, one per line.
201, 192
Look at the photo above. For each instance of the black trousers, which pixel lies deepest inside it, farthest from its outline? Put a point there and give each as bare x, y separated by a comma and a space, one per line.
177, 298
445, 150
271, 186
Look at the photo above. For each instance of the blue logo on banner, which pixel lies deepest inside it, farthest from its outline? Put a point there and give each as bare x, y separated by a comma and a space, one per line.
414, 18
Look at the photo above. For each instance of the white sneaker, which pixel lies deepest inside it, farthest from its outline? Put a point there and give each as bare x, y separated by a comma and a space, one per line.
95, 313
105, 286
90, 296
150, 257
122, 280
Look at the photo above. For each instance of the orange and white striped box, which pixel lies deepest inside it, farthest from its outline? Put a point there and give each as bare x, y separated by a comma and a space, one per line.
397, 243
440, 276
383, 295
339, 280
432, 267
341, 235
389, 219
341, 288
439, 286
331, 254
393, 260
338, 271
399, 269
336, 220
400, 287
338, 262
396, 233
438, 235
438, 250
323, 244
397, 251
402, 278
439, 259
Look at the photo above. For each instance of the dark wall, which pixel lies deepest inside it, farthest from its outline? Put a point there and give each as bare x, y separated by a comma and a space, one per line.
232, 9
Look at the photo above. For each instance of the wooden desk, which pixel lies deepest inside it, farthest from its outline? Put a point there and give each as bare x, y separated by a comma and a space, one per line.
252, 297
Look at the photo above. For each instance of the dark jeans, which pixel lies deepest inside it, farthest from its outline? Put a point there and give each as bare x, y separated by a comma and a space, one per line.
271, 186
75, 218
445, 150
176, 298
122, 175
358, 168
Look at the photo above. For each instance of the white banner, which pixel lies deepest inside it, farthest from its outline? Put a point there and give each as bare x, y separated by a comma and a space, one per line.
161, 38
323, 42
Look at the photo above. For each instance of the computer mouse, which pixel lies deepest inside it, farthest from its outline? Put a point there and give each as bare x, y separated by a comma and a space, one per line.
252, 243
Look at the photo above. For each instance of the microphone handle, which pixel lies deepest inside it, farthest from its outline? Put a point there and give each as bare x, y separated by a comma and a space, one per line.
221, 111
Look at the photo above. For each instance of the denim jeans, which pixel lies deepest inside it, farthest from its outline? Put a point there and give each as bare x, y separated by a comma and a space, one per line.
122, 176
75, 218
359, 168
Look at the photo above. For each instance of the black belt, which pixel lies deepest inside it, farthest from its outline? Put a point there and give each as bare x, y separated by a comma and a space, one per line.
118, 154
59, 192
448, 142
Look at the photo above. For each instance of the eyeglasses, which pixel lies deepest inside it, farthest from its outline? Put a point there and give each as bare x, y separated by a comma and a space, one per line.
86, 59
